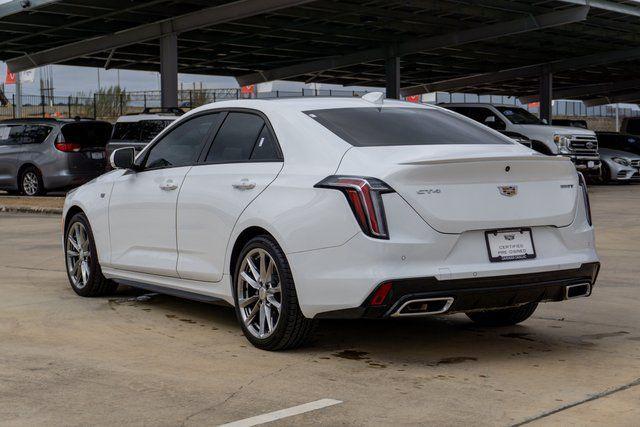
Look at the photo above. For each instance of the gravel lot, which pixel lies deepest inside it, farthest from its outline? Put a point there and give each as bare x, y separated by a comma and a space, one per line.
136, 359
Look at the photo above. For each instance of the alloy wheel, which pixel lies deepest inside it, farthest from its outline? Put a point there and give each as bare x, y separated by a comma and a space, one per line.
30, 183
259, 293
78, 252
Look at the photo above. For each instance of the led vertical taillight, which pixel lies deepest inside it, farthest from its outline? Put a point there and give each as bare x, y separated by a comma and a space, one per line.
585, 197
364, 195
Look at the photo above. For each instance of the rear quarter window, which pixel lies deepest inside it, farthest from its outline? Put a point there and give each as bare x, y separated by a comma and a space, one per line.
391, 126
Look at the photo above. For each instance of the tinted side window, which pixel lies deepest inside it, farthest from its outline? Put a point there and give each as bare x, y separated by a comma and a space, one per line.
236, 138
609, 141
11, 134
181, 146
265, 148
633, 126
35, 134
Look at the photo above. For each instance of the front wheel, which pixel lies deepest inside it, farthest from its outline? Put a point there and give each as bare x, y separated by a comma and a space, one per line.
504, 316
81, 259
266, 300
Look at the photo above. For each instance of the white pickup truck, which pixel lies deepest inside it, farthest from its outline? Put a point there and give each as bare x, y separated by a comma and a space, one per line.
580, 145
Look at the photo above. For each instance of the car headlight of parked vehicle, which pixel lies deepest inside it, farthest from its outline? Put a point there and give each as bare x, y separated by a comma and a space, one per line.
621, 161
562, 141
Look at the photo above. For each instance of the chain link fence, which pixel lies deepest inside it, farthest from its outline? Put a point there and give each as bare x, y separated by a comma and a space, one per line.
111, 106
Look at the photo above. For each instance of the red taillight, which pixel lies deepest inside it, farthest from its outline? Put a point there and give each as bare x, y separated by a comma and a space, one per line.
365, 198
68, 147
381, 294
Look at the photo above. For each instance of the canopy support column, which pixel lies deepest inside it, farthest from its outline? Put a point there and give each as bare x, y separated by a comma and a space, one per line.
169, 70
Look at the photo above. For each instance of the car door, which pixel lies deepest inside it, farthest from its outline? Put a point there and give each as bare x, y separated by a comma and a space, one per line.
243, 159
142, 208
10, 149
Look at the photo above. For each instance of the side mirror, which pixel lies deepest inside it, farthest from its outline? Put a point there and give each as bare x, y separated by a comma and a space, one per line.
123, 158
489, 120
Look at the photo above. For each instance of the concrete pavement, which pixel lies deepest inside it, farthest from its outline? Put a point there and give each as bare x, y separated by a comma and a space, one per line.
135, 359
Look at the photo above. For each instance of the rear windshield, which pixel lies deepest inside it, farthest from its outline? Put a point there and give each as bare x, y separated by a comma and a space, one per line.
374, 127
141, 131
87, 134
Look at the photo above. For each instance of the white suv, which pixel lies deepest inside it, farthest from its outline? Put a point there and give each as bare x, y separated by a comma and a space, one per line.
298, 209
137, 130
579, 145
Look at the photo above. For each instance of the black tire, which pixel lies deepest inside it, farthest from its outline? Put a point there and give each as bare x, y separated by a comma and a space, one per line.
96, 284
30, 182
605, 173
292, 329
504, 316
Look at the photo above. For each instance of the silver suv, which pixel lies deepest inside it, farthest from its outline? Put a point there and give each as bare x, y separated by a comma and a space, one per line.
39, 155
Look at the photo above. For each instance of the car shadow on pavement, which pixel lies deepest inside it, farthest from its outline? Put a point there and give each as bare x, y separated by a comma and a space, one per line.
431, 341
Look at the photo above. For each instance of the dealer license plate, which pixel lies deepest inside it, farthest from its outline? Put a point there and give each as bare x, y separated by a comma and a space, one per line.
510, 245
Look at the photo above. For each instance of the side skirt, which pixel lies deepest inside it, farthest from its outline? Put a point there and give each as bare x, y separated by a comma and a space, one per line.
170, 291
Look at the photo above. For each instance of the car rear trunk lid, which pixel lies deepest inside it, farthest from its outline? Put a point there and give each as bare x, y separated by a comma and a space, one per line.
463, 187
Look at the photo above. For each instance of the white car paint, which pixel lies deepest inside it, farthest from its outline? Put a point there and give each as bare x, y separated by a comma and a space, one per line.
183, 239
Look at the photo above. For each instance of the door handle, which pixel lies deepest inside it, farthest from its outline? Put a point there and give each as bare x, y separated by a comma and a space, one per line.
244, 184
168, 185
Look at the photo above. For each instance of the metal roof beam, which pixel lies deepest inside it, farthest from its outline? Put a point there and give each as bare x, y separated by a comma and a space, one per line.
524, 72
17, 6
587, 90
610, 6
487, 32
191, 21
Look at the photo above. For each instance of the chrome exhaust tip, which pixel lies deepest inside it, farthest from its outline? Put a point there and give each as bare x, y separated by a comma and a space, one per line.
423, 307
577, 290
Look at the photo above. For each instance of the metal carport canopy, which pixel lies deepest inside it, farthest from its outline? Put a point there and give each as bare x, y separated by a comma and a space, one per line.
257, 40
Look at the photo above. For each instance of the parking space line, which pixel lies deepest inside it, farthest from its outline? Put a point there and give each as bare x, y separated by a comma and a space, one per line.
283, 413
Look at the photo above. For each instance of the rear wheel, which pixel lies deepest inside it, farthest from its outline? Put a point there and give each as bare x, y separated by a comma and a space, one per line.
266, 300
83, 269
504, 316
31, 182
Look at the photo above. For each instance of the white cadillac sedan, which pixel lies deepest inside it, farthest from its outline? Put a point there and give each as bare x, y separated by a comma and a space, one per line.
300, 209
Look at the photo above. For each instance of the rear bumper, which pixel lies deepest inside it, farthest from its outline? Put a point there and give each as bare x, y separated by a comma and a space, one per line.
343, 277
475, 294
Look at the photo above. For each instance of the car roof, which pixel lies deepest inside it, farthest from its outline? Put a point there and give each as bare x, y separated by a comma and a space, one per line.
46, 120
306, 104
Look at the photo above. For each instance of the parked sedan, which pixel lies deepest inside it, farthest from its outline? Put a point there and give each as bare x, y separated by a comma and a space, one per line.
294, 210
39, 155
619, 166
